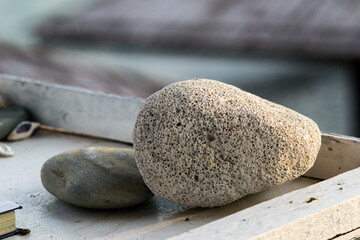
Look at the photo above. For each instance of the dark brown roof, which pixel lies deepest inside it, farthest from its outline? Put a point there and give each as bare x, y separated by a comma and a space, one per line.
313, 27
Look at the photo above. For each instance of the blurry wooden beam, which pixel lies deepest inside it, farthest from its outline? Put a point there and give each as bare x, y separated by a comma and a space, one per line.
325, 28
38, 65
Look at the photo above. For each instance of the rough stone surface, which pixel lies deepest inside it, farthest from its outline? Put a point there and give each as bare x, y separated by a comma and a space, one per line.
203, 143
99, 178
10, 117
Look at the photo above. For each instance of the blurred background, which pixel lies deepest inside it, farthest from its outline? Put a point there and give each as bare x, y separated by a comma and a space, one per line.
303, 54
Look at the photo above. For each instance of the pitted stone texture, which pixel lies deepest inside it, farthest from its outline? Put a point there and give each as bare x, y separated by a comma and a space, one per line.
203, 143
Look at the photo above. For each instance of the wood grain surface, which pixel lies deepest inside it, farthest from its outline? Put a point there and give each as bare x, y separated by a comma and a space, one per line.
37, 64
314, 28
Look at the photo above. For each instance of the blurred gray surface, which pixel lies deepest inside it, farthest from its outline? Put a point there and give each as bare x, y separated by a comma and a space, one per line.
19, 18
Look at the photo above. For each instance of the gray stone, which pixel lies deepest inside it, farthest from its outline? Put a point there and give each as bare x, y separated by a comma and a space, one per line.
203, 143
99, 178
10, 117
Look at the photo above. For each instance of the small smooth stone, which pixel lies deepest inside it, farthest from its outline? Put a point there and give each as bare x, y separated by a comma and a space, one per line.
23, 130
99, 178
203, 143
10, 117
5, 150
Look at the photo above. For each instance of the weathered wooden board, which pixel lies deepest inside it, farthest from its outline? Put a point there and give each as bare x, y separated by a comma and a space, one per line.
322, 27
333, 211
337, 154
74, 109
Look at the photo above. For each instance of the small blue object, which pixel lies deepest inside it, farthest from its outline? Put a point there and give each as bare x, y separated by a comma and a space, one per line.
23, 130
23, 127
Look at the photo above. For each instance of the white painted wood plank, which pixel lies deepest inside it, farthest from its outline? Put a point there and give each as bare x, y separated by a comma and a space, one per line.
74, 109
291, 216
337, 154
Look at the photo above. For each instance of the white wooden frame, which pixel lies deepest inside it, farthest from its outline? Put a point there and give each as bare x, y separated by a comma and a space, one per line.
326, 210
322, 211
74, 109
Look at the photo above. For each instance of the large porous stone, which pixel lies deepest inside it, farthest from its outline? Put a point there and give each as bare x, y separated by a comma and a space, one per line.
99, 178
10, 117
203, 143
